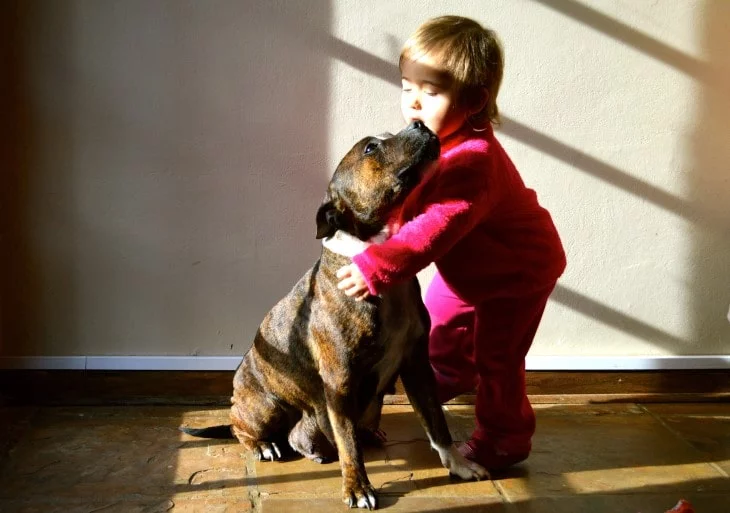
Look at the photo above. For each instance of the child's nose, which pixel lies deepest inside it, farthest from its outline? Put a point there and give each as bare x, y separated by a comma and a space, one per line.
416, 101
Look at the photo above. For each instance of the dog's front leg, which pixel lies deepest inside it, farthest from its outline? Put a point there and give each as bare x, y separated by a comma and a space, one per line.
420, 386
356, 488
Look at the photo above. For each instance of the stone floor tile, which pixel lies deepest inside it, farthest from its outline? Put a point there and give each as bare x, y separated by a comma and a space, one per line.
705, 426
15, 422
608, 449
130, 505
152, 505
219, 505
390, 504
74, 453
598, 458
709, 410
632, 503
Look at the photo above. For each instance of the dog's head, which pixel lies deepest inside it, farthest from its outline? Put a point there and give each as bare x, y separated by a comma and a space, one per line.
373, 179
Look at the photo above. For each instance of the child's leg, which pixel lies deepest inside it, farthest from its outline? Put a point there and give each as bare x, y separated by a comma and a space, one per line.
451, 343
505, 421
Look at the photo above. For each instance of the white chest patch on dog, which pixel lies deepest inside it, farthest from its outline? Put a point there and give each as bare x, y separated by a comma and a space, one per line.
348, 245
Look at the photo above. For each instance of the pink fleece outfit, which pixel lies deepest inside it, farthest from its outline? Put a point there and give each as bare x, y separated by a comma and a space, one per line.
498, 257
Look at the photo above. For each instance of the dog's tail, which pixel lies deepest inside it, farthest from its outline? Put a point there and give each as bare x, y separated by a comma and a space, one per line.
221, 432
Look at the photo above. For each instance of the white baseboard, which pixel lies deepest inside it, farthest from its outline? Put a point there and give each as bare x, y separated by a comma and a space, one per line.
229, 363
626, 363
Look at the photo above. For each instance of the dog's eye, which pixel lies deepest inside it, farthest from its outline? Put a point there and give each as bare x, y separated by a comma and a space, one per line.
369, 148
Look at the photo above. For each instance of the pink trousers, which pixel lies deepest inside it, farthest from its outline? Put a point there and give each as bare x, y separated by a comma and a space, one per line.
484, 346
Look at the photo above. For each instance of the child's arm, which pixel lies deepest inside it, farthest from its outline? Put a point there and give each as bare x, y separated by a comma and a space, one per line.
461, 200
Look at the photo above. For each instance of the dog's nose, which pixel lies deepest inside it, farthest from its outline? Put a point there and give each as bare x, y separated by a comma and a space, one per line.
418, 125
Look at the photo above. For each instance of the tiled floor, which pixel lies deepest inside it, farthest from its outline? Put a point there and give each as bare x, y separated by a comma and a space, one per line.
620, 458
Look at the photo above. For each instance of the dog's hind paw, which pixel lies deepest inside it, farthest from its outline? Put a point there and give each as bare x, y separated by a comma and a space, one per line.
267, 451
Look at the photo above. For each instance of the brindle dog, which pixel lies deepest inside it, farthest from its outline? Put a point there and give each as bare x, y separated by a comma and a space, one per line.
321, 362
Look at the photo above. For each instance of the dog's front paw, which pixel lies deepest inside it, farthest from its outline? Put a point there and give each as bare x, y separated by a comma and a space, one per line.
359, 494
458, 465
267, 451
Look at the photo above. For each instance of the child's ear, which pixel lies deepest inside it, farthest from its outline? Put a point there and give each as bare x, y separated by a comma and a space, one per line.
328, 220
477, 100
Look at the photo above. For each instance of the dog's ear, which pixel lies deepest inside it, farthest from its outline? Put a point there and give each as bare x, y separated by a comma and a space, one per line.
329, 219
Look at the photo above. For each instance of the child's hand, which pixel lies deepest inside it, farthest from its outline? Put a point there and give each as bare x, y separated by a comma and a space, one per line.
352, 282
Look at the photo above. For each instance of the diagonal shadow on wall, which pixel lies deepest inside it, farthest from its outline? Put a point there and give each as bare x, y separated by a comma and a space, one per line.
709, 220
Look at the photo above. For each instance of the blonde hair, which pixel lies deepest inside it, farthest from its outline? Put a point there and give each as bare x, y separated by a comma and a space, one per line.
470, 53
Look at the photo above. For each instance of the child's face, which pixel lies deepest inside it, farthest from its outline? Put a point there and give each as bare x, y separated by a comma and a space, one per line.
430, 96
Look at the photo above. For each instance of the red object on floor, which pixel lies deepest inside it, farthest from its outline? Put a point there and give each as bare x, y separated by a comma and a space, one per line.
682, 507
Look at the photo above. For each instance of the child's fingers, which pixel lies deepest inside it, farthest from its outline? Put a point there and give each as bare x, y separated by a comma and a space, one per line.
353, 289
345, 284
344, 272
349, 287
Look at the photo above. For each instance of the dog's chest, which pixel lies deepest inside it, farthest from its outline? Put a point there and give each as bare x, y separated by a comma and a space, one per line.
401, 326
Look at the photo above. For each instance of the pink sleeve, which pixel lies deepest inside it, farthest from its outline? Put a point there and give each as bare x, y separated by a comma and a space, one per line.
463, 200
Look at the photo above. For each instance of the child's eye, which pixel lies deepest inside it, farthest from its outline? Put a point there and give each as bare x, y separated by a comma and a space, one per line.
431, 93
406, 89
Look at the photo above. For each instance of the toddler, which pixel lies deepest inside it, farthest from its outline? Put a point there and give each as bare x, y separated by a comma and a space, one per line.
496, 250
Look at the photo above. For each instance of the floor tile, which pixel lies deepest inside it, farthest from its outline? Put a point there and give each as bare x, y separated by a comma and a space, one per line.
105, 453
704, 426
617, 449
597, 458
391, 504
160, 505
108, 506
15, 422
632, 503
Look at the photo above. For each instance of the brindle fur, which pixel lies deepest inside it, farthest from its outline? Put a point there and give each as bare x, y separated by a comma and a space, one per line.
321, 362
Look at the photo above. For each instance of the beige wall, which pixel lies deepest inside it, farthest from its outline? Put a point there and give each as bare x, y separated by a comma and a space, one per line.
165, 161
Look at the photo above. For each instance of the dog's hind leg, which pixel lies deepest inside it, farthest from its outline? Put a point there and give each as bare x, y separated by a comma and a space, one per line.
308, 440
260, 425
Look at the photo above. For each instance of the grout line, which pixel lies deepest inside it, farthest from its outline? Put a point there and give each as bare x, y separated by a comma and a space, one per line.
503, 495
254, 495
678, 435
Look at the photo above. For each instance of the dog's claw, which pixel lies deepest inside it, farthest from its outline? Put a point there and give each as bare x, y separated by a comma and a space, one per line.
364, 498
267, 451
373, 501
364, 503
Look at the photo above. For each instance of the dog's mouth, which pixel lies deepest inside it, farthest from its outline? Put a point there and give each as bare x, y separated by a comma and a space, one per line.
428, 153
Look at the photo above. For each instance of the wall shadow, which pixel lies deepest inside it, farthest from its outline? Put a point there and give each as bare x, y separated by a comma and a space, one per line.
706, 218
623, 33
162, 156
34, 272
137, 134
709, 185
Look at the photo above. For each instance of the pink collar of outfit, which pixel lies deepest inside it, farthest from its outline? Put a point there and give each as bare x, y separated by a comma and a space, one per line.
465, 133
